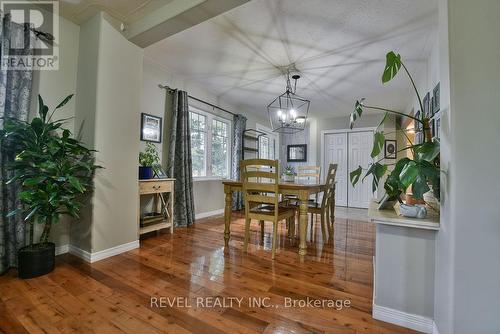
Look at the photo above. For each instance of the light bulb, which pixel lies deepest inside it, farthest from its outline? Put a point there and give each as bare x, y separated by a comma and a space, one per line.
293, 113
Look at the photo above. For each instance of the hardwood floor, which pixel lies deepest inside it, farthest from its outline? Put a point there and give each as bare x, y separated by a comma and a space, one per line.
114, 295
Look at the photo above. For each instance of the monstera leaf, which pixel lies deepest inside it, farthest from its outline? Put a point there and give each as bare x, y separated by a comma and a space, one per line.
378, 144
428, 151
377, 170
358, 111
355, 175
392, 66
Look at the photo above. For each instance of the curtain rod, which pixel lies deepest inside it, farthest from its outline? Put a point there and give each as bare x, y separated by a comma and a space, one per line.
197, 99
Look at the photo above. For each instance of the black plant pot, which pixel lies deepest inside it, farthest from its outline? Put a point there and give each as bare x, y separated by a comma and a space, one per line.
36, 260
145, 173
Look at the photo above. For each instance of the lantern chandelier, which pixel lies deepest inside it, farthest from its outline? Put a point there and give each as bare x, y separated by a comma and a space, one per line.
288, 112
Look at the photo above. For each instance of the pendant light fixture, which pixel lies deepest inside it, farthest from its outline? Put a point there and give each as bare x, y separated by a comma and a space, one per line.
288, 112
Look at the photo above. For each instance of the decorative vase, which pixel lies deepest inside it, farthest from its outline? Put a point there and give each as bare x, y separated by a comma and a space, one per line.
288, 177
413, 211
36, 260
145, 173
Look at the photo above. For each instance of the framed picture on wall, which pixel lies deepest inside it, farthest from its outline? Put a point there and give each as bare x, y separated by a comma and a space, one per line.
390, 149
436, 105
427, 105
150, 128
296, 153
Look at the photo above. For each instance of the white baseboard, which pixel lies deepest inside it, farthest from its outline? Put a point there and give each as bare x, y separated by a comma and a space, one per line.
434, 328
408, 320
63, 249
94, 257
209, 214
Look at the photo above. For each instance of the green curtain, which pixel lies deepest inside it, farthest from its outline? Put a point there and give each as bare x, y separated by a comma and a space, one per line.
239, 126
178, 151
15, 95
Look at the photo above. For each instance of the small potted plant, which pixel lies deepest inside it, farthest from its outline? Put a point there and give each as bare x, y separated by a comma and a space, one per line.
288, 174
148, 161
53, 171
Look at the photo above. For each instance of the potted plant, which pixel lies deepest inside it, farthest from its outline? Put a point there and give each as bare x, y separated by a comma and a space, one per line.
288, 174
53, 170
148, 160
421, 172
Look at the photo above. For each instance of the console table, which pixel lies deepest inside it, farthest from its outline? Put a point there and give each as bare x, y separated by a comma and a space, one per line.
163, 192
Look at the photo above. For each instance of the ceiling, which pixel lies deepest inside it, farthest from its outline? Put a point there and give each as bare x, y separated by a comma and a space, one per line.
339, 47
126, 11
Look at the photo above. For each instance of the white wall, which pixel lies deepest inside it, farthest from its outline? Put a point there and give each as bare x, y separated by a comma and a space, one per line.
468, 270
54, 86
109, 91
208, 194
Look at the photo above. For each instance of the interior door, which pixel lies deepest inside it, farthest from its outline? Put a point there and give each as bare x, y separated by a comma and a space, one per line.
360, 146
336, 153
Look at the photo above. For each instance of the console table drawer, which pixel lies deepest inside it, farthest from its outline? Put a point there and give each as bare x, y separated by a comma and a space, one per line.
154, 187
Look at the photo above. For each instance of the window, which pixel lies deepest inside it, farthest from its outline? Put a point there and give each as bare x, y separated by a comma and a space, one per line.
210, 144
267, 144
198, 143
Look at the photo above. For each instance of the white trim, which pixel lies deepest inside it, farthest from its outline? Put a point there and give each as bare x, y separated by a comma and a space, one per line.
209, 178
434, 328
63, 249
101, 255
408, 320
202, 215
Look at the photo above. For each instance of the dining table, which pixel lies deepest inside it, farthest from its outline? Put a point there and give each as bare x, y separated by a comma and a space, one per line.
301, 189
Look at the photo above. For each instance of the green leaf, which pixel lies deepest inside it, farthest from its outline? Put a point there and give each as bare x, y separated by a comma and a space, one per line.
37, 125
428, 151
419, 187
32, 213
377, 171
358, 111
42, 108
355, 175
378, 144
13, 213
392, 66
409, 174
76, 184
33, 181
66, 100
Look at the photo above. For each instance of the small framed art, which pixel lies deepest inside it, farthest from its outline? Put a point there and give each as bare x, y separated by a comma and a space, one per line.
150, 128
296, 153
390, 149
436, 105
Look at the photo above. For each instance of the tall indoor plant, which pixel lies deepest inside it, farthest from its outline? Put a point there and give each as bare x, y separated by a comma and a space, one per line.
53, 171
419, 172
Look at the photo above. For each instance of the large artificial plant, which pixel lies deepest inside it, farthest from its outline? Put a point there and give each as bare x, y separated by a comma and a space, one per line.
420, 171
52, 168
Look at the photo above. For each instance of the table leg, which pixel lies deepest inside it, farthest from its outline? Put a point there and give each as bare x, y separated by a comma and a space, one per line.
227, 216
303, 223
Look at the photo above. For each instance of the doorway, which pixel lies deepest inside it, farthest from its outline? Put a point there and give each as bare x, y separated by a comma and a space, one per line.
349, 149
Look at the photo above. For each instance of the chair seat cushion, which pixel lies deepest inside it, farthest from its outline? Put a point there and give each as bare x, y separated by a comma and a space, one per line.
269, 210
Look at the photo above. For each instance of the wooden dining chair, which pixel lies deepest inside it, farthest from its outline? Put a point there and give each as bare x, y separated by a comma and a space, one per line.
326, 208
261, 191
312, 173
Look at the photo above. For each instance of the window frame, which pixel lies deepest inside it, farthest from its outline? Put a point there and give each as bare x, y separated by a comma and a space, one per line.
208, 144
